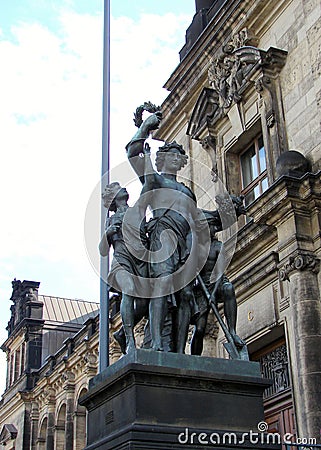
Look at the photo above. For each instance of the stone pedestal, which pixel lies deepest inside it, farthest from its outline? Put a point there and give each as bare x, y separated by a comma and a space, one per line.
153, 400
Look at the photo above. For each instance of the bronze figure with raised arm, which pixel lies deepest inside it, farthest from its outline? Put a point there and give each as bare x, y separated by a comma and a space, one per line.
173, 207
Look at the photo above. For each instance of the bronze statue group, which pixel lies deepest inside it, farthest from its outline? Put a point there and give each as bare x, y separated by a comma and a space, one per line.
169, 269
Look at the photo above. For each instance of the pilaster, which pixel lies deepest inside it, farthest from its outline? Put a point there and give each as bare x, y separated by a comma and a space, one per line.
291, 205
69, 388
50, 435
34, 425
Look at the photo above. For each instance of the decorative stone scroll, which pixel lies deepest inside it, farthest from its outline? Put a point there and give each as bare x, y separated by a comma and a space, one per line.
47, 396
299, 262
240, 39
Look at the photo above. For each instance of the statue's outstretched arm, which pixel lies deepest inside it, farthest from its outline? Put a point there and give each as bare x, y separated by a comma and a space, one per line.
150, 174
136, 146
230, 208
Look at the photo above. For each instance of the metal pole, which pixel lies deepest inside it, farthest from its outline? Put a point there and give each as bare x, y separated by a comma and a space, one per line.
104, 262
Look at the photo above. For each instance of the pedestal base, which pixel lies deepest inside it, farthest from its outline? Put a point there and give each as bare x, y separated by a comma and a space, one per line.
154, 400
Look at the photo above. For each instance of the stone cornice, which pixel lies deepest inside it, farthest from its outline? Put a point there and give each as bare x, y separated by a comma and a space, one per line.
256, 275
10, 404
59, 370
249, 238
26, 325
285, 195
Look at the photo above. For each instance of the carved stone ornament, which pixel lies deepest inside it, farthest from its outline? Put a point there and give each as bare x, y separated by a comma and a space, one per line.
274, 365
212, 330
23, 295
209, 145
227, 72
68, 376
270, 119
299, 262
48, 395
90, 358
240, 39
238, 65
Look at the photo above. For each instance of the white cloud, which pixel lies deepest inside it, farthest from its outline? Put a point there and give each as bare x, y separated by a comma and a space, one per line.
50, 140
143, 55
50, 114
50, 106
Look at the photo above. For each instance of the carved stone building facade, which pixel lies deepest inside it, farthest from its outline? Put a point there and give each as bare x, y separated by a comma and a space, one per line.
52, 350
245, 103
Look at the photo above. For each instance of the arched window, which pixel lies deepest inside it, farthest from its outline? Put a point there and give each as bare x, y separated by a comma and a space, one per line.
80, 425
41, 441
60, 428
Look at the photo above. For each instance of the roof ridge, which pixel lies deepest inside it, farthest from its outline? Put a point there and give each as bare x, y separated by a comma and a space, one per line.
68, 298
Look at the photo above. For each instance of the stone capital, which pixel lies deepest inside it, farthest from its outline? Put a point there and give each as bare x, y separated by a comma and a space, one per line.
301, 261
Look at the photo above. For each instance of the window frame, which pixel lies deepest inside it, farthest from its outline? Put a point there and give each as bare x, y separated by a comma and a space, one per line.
257, 181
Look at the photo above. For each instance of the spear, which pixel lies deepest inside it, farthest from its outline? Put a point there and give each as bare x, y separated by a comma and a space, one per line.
233, 351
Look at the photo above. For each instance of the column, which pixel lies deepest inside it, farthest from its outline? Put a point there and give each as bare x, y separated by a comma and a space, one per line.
69, 388
301, 271
50, 435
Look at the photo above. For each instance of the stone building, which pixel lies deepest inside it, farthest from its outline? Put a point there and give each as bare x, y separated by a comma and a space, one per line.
245, 103
51, 350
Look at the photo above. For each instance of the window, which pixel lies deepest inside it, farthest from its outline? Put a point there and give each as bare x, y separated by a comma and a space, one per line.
23, 356
253, 171
17, 364
11, 369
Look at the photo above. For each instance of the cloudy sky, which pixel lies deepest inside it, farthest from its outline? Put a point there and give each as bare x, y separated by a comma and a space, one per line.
50, 122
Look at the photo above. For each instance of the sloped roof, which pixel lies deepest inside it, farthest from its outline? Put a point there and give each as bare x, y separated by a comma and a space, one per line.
62, 310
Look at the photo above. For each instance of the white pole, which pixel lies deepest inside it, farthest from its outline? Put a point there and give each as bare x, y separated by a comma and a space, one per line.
104, 262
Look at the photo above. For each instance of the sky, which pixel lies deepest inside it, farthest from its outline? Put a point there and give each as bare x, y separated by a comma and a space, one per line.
50, 129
